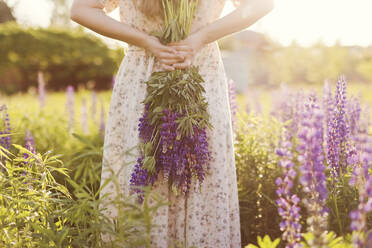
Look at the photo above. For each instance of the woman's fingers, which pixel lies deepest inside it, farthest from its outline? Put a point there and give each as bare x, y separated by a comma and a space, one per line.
167, 55
169, 49
183, 48
167, 67
171, 61
183, 65
175, 43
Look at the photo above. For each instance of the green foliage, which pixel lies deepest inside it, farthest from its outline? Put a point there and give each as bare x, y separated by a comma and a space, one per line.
341, 201
265, 243
256, 162
38, 211
271, 63
73, 216
66, 56
332, 240
178, 16
31, 201
178, 91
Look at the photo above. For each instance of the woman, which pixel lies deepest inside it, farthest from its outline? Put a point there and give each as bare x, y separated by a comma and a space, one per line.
203, 219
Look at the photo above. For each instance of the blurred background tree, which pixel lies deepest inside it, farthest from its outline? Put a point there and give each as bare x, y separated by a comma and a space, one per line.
66, 56
6, 12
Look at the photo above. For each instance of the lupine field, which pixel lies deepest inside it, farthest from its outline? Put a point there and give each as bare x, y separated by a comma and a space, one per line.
303, 159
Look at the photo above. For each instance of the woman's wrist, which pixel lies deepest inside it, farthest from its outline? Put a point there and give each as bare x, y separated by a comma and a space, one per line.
144, 41
204, 35
135, 37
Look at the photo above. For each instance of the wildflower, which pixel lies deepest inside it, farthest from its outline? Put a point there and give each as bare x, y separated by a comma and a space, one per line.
362, 179
287, 202
84, 117
70, 106
179, 159
313, 179
93, 108
141, 177
5, 141
288, 109
339, 148
41, 89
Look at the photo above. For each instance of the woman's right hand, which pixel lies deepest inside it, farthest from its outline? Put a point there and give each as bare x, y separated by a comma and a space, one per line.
166, 55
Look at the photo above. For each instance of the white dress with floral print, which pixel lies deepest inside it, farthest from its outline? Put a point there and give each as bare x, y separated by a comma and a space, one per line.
209, 218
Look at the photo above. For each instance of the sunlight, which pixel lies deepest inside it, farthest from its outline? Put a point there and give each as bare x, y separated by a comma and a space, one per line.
304, 21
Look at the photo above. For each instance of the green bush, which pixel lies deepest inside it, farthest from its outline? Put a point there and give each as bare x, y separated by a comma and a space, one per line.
257, 137
38, 211
257, 169
66, 56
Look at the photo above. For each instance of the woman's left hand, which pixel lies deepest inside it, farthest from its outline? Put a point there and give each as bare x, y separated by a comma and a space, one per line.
188, 48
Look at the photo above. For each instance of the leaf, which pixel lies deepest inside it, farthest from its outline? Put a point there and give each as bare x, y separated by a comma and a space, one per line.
158, 109
148, 148
149, 164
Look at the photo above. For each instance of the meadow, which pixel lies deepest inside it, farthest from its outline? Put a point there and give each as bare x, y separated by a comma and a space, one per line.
303, 158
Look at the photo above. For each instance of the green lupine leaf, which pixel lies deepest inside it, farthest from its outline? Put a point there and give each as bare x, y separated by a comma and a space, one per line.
149, 163
148, 148
158, 109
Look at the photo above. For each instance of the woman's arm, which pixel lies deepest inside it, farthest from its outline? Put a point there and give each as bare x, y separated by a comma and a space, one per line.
90, 14
249, 12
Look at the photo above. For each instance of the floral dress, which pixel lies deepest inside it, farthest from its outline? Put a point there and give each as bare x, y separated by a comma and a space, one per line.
209, 218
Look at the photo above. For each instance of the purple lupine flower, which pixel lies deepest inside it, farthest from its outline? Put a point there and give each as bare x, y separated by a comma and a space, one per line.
343, 127
93, 108
41, 89
179, 159
338, 146
144, 127
139, 178
5, 141
70, 106
353, 111
29, 145
359, 216
287, 202
29, 142
327, 103
102, 120
232, 102
313, 179
362, 179
355, 121
84, 117
288, 108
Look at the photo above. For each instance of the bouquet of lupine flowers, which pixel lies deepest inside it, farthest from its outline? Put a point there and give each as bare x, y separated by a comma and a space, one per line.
173, 126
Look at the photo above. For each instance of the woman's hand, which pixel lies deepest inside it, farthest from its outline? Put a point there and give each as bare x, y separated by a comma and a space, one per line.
166, 55
188, 48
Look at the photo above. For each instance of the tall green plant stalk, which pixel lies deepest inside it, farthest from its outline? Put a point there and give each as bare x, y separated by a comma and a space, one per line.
178, 16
